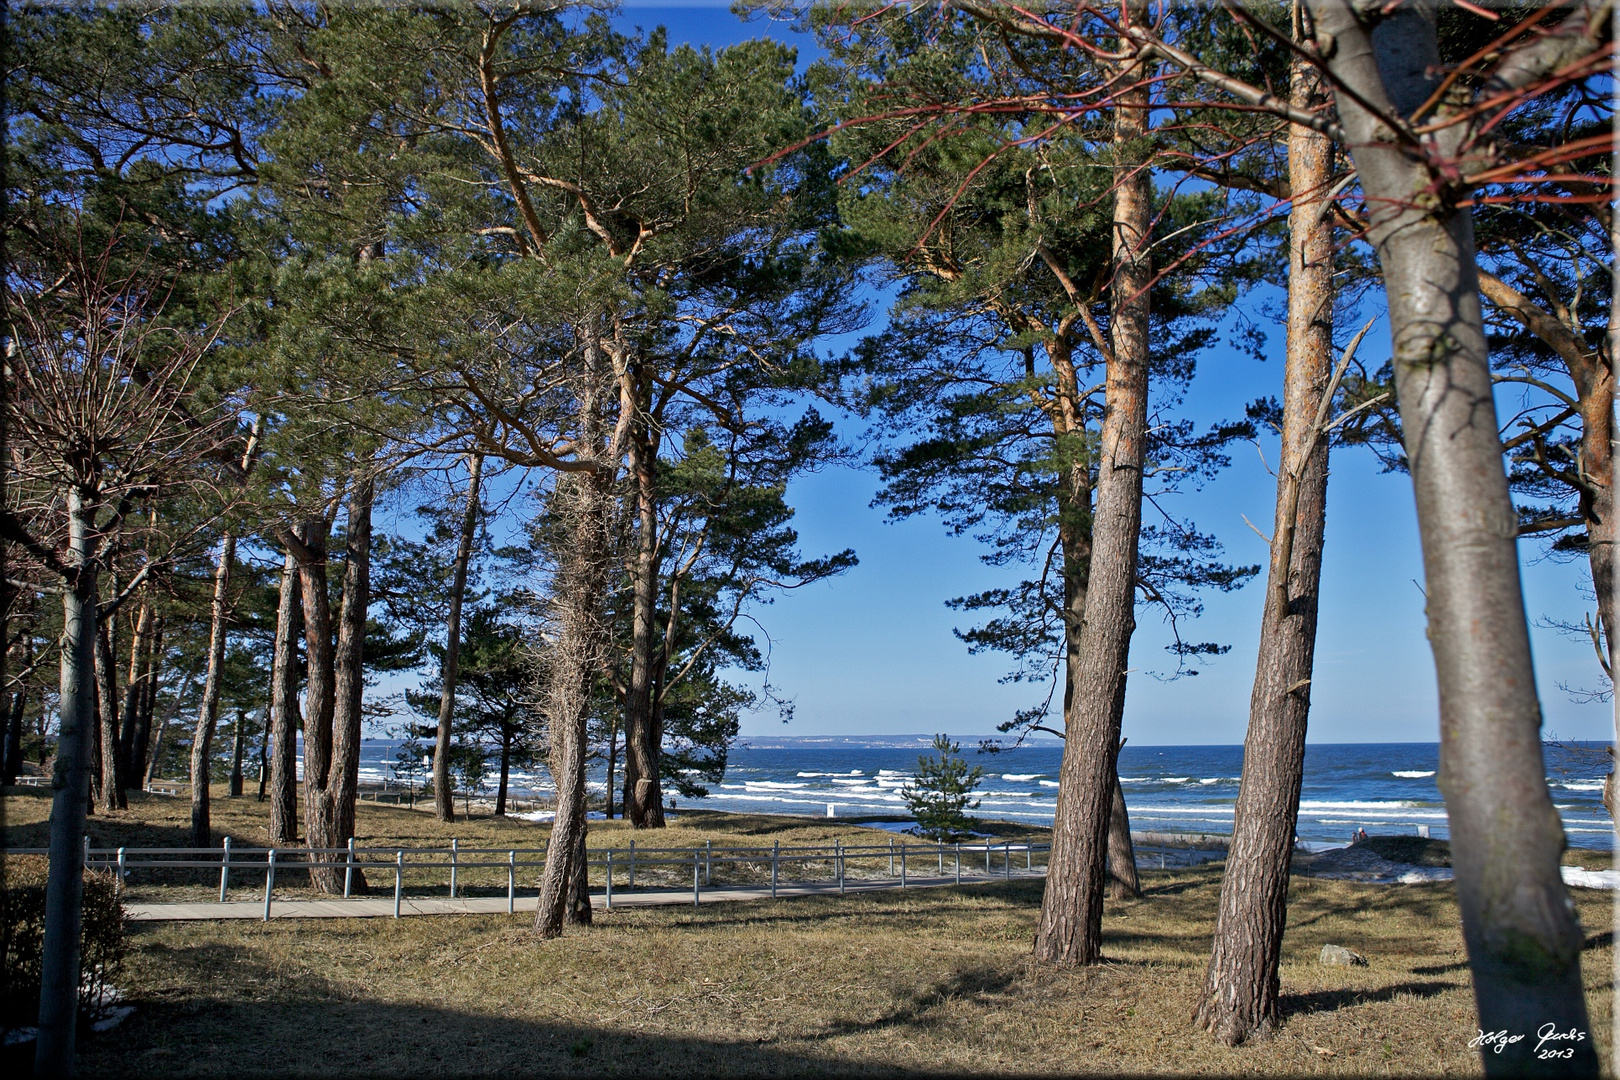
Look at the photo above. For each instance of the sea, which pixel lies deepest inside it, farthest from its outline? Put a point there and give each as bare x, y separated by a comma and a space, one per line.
1384, 788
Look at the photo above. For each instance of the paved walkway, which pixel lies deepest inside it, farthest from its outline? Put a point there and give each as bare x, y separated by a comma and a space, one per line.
493, 905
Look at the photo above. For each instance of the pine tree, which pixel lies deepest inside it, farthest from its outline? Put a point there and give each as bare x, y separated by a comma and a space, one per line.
942, 791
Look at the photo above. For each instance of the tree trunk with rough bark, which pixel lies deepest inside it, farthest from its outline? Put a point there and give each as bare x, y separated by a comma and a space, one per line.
443, 797
284, 711
1070, 930
343, 777
1241, 989
1524, 943
1123, 881
585, 503
643, 793
111, 788
70, 799
202, 741
320, 830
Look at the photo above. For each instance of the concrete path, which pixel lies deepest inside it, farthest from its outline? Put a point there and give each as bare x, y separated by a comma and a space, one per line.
494, 905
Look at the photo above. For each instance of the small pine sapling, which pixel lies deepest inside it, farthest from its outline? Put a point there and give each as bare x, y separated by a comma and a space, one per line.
942, 790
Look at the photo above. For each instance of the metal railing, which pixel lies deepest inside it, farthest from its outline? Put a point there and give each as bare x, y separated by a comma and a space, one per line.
741, 867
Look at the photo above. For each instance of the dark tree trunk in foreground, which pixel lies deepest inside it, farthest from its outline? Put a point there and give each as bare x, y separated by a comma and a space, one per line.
643, 793
585, 503
70, 798
111, 788
202, 741
443, 797
1524, 943
284, 718
579, 886
1070, 929
1241, 989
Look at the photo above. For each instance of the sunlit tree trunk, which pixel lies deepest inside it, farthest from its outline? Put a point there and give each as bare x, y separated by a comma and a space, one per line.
643, 792
70, 798
1070, 930
320, 831
584, 502
343, 778
1241, 988
1524, 943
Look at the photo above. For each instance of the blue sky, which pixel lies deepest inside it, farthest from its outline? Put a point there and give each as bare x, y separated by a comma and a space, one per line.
873, 653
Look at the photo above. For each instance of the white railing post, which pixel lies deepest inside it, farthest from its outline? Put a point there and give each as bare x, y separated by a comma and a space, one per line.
891, 856
399, 879
269, 882
224, 868
840, 866
776, 858
610, 878
118, 883
696, 866
348, 870
453, 859
902, 863
708, 862
987, 868
86, 864
939, 849
632, 882
511, 882
1029, 859
1006, 858
959, 862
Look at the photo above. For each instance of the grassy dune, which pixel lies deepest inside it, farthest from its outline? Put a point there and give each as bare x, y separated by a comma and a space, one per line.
926, 981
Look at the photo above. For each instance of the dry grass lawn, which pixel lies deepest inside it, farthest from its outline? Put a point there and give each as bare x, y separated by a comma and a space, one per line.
926, 981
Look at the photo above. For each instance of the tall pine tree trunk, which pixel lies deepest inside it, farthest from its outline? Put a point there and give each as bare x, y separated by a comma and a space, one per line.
443, 796
1241, 988
284, 711
1070, 930
202, 741
643, 792
585, 504
1523, 940
320, 831
70, 799
343, 779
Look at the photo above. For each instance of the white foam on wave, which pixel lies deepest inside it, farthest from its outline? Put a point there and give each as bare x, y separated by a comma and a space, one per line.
852, 772
1580, 785
1048, 783
1412, 774
1356, 804
1019, 777
773, 785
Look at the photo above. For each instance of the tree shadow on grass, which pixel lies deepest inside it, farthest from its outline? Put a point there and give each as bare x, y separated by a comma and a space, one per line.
269, 1022
1318, 1001
914, 1009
